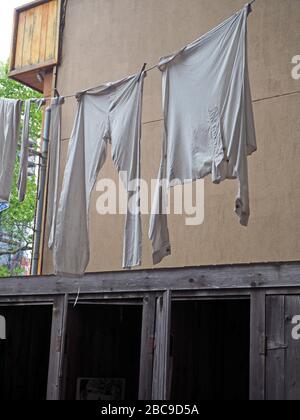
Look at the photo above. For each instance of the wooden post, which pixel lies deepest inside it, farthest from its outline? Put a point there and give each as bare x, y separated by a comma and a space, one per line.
258, 346
147, 348
162, 348
57, 345
276, 352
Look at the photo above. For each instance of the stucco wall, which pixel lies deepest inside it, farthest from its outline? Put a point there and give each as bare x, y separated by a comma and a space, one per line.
105, 40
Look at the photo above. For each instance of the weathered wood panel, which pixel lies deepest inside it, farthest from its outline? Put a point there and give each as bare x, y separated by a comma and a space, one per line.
37, 35
292, 368
161, 372
57, 345
275, 364
283, 351
234, 278
147, 348
19, 41
258, 346
51, 42
27, 40
43, 40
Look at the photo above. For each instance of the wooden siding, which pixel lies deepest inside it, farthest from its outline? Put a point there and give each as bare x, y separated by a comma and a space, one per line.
274, 356
282, 350
209, 280
36, 35
35, 43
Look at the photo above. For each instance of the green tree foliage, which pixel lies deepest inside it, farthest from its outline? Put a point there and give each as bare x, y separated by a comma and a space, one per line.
17, 223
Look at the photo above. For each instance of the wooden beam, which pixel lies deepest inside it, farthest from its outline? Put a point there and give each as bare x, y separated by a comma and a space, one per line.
57, 346
275, 362
161, 369
30, 5
233, 278
12, 57
258, 346
37, 67
292, 351
147, 348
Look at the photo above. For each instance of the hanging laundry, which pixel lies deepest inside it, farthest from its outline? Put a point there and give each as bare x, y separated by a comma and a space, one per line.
25, 142
109, 114
54, 165
22, 180
209, 124
10, 115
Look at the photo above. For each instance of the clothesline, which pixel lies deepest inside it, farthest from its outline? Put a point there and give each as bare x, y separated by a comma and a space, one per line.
209, 129
73, 95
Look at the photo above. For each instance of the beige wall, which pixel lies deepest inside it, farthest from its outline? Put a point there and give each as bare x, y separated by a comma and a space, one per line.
105, 40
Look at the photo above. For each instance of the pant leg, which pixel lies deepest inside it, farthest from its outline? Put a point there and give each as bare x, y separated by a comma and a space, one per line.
54, 164
126, 151
10, 115
86, 155
242, 204
158, 230
22, 181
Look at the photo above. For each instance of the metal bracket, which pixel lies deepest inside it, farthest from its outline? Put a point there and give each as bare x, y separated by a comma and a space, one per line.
263, 346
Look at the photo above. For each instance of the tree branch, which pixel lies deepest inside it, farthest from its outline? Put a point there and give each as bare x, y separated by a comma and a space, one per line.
8, 241
15, 251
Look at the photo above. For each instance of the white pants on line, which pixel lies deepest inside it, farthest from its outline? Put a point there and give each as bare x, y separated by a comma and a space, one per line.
111, 113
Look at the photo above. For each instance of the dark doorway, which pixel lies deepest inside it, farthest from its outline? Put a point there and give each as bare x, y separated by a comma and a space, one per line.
103, 352
24, 354
210, 350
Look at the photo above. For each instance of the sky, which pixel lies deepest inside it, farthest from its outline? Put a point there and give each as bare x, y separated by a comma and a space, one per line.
6, 24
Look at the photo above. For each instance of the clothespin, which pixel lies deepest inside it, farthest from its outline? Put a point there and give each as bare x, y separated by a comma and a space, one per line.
56, 93
143, 69
59, 99
250, 6
40, 103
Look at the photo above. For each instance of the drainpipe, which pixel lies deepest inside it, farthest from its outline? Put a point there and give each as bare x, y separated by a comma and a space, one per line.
41, 194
